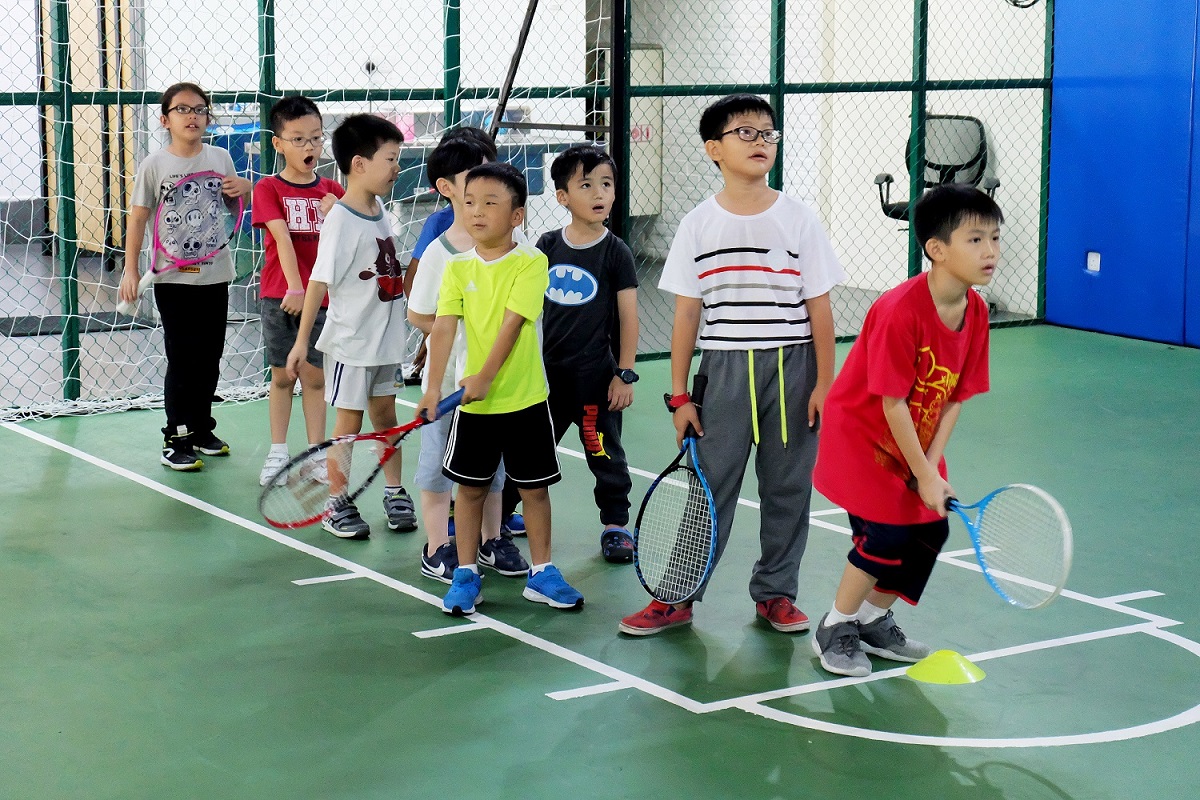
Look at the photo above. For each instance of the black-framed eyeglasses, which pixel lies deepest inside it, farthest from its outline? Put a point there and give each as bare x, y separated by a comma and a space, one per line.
199, 111
302, 141
749, 134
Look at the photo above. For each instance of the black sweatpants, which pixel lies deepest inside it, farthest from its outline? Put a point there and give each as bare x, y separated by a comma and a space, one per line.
581, 398
193, 321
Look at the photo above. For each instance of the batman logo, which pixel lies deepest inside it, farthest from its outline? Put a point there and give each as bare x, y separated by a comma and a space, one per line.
571, 285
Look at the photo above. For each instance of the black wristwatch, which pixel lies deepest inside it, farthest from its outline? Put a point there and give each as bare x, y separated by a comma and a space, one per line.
627, 375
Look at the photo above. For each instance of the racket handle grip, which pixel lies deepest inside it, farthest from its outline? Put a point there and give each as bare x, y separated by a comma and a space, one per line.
448, 404
143, 284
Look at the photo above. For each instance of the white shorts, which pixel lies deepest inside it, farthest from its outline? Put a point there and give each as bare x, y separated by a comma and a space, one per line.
349, 387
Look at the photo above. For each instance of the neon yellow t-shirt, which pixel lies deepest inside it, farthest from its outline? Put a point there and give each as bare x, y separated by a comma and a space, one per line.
480, 292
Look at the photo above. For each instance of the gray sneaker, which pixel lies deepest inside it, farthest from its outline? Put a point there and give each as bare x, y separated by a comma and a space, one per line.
884, 638
840, 650
401, 515
346, 523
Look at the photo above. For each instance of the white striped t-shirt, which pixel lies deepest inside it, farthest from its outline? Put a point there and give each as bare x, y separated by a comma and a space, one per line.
752, 273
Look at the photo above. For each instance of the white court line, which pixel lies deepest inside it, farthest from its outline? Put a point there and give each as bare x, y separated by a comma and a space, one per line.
628, 680
345, 576
969, 551
1125, 598
820, 686
588, 691
447, 631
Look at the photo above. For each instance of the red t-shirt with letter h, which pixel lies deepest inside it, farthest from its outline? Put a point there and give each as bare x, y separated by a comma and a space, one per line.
299, 207
904, 350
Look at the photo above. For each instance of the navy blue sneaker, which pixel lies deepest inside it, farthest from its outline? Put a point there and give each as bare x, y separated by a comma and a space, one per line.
550, 587
503, 556
616, 545
441, 563
514, 525
465, 592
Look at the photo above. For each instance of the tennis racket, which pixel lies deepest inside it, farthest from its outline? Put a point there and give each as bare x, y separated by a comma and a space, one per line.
332, 474
193, 222
675, 537
1022, 541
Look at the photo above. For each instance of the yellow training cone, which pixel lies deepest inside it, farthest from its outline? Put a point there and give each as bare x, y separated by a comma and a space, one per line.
945, 667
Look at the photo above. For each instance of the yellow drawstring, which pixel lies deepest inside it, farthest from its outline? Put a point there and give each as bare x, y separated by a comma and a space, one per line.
782, 402
783, 431
753, 397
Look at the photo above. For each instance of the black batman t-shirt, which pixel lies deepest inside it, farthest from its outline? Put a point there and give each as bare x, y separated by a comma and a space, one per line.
579, 319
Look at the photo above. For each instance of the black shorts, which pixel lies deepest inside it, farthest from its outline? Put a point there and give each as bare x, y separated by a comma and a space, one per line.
899, 557
524, 439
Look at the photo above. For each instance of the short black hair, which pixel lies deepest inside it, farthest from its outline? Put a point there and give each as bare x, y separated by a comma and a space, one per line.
507, 174
362, 135
292, 108
459, 150
945, 207
168, 96
717, 116
589, 156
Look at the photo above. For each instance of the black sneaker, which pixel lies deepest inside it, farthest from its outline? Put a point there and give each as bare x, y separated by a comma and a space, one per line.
616, 545
401, 514
439, 565
209, 444
177, 453
503, 556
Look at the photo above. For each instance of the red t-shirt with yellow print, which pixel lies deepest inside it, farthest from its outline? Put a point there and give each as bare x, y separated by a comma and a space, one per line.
904, 350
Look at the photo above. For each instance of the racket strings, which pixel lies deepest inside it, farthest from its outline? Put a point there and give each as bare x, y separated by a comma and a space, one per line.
331, 477
1024, 543
675, 537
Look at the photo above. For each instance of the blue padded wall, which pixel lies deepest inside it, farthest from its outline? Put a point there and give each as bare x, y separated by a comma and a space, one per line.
1121, 166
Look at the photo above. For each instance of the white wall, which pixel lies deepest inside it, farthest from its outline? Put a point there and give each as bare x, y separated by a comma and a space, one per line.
20, 136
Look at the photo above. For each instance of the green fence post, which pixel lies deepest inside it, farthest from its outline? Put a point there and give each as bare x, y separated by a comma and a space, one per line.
1044, 207
266, 85
916, 154
67, 251
619, 116
778, 81
452, 61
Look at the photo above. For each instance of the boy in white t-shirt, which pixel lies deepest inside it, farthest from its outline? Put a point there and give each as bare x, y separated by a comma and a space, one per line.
363, 339
447, 167
755, 267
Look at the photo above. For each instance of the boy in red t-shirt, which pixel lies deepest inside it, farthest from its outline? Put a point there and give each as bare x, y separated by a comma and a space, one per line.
291, 206
922, 352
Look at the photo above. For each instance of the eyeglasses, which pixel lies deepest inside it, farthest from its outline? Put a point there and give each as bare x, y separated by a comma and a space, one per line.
748, 134
199, 111
302, 141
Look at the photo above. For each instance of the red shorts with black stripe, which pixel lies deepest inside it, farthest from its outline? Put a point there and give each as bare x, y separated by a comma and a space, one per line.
899, 557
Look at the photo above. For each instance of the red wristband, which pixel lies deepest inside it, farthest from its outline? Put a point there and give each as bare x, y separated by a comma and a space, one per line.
679, 401
293, 292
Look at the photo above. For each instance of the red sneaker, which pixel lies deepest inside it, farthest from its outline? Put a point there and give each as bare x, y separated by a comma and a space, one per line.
655, 618
783, 615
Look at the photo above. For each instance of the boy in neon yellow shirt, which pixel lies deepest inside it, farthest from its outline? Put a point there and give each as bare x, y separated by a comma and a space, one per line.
497, 289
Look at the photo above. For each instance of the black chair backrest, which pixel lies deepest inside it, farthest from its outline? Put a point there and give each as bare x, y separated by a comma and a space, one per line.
956, 150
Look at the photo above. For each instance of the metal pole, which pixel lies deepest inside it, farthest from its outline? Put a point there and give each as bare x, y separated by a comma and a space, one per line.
452, 62
916, 154
67, 252
506, 89
778, 80
266, 85
1044, 189
618, 111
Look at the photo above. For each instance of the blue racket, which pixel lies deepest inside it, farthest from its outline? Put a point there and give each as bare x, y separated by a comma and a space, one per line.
1022, 541
675, 538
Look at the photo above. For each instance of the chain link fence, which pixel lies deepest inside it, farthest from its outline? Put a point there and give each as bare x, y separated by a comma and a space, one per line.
863, 89
854, 79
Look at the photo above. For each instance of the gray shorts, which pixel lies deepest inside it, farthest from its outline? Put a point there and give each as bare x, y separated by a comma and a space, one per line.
279, 330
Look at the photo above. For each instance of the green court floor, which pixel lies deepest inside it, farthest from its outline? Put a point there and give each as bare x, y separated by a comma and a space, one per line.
159, 641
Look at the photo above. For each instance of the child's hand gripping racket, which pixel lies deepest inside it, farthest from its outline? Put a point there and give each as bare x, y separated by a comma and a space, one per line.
1022, 541
329, 475
675, 537
194, 221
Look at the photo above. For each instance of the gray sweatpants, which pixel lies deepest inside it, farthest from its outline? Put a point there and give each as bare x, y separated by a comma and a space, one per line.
784, 471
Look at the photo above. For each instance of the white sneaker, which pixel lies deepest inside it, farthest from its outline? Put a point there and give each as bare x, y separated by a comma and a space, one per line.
274, 463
